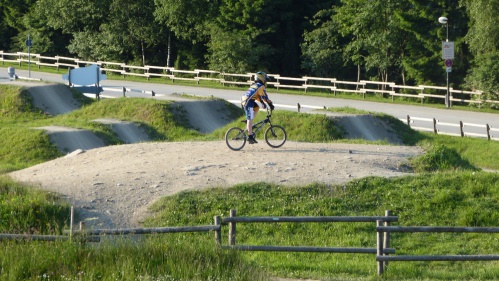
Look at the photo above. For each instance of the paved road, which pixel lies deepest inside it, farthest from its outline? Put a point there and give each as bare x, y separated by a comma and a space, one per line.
308, 103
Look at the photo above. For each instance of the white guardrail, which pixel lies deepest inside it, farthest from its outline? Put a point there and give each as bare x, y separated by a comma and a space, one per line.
436, 128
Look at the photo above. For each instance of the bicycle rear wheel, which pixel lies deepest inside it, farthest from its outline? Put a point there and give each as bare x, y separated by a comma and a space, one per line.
275, 136
235, 138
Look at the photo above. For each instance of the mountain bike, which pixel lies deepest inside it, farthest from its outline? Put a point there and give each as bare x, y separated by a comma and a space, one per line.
275, 136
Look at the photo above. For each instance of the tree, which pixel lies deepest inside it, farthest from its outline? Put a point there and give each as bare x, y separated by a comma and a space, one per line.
236, 43
72, 16
376, 41
483, 41
110, 30
422, 61
12, 14
187, 21
322, 50
260, 34
129, 29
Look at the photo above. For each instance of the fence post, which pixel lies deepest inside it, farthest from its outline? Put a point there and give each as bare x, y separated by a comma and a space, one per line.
299, 106
153, 93
71, 223
408, 120
435, 126
386, 236
488, 131
232, 229
83, 225
379, 247
461, 128
218, 233
124, 91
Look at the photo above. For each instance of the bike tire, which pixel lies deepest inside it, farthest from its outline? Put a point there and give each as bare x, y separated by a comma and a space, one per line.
275, 136
235, 138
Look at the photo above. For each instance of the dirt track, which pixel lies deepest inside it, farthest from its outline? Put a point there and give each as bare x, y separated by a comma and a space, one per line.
113, 186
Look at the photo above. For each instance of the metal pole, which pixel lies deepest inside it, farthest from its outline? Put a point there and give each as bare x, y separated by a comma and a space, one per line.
29, 56
447, 97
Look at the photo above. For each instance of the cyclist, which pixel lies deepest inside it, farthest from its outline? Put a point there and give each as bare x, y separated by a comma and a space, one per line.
256, 92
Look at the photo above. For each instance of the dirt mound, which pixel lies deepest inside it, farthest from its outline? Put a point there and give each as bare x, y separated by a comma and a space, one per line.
70, 139
113, 186
202, 115
367, 127
128, 132
205, 116
53, 99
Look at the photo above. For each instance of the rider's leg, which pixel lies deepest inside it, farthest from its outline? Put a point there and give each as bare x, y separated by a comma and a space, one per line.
250, 114
249, 126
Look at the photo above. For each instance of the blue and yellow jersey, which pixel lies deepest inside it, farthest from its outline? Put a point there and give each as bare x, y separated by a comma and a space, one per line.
256, 92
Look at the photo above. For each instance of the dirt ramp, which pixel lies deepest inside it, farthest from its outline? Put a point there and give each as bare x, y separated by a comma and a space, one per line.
53, 99
205, 115
69, 139
128, 132
367, 127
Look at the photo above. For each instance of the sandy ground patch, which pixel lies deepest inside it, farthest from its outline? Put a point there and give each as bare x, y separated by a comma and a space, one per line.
113, 186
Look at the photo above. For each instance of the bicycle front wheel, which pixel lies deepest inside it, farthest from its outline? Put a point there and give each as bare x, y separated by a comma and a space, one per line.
235, 138
275, 136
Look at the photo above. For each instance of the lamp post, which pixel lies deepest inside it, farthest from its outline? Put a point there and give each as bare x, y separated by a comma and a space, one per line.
448, 56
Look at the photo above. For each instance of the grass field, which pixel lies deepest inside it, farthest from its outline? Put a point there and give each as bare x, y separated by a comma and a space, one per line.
448, 190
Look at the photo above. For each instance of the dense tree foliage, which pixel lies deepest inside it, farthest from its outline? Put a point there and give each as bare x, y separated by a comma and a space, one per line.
483, 41
384, 40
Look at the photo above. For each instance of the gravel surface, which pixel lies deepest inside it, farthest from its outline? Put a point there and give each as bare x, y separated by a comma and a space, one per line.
111, 187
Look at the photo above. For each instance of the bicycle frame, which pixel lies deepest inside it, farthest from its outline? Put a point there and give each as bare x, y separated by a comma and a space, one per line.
259, 125
275, 136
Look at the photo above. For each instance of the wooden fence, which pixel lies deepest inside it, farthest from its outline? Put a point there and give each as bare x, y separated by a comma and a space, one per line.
382, 231
383, 251
304, 83
487, 129
233, 220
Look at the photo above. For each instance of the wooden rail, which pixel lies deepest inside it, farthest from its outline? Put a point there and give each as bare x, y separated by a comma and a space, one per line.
383, 252
382, 231
233, 220
304, 82
125, 231
53, 238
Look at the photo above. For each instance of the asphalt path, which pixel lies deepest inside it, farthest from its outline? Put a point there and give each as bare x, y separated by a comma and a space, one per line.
308, 103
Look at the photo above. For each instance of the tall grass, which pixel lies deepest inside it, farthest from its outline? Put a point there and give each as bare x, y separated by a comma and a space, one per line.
155, 258
27, 210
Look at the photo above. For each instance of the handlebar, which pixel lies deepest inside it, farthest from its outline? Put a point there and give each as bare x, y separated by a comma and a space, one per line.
269, 112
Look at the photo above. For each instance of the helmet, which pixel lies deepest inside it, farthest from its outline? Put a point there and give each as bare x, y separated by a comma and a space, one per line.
262, 77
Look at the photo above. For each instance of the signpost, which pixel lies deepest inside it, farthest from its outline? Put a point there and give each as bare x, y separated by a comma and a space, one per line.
448, 56
448, 64
448, 50
29, 43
